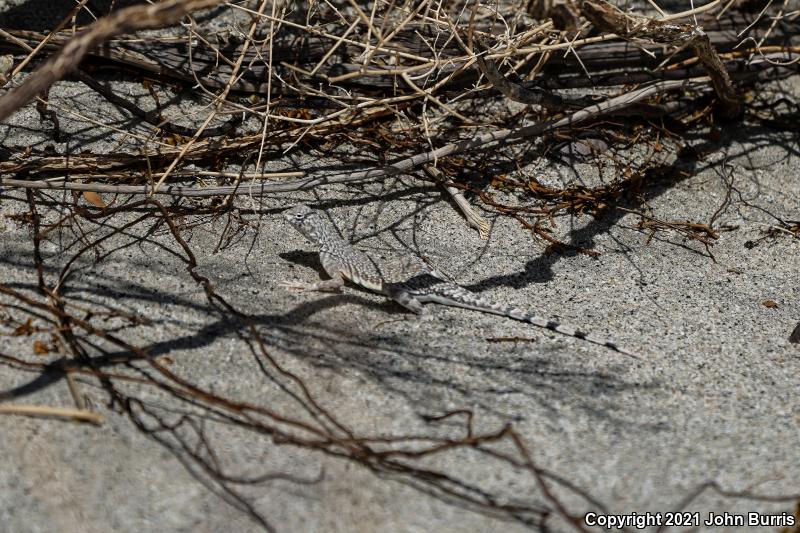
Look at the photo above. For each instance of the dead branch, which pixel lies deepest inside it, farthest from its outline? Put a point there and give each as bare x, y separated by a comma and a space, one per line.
611, 19
127, 20
481, 142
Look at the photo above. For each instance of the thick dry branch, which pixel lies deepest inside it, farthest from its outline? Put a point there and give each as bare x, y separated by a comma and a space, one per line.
473, 218
169, 57
481, 142
126, 20
608, 18
720, 79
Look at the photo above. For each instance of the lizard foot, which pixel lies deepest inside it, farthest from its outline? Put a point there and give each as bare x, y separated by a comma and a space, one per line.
302, 286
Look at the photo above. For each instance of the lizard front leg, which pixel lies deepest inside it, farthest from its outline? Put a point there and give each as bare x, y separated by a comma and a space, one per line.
329, 285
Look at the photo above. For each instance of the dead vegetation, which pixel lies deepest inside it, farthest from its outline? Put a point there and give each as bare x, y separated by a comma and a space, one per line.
408, 82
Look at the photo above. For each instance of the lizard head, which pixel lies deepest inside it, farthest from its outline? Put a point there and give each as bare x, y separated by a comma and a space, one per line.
305, 220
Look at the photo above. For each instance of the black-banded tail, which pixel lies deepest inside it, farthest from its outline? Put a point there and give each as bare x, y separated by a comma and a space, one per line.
454, 295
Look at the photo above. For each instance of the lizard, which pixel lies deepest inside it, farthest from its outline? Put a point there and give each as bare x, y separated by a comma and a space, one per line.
409, 282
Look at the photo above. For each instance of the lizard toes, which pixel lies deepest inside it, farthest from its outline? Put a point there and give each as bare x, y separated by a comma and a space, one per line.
322, 286
293, 285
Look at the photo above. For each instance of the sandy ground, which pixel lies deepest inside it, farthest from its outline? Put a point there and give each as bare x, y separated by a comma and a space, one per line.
713, 396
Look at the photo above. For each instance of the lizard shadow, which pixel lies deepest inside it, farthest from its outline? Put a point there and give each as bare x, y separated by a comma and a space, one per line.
504, 383
304, 258
519, 366
424, 375
429, 375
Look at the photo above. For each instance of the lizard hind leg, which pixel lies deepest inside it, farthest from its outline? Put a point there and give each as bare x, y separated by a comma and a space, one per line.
329, 285
408, 301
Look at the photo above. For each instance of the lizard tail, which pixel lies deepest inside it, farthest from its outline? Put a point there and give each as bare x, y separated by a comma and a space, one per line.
457, 296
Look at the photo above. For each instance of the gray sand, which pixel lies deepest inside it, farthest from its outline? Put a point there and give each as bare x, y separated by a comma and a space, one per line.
713, 397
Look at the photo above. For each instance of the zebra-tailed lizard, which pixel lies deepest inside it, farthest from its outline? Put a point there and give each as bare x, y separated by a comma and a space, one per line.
407, 281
